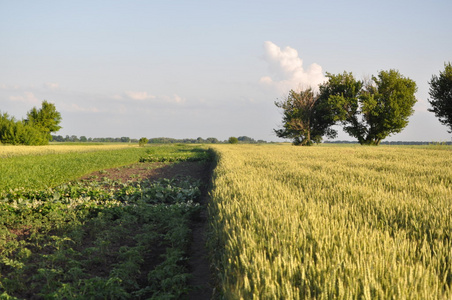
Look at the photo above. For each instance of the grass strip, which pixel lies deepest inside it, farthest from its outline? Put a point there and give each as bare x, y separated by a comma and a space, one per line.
37, 172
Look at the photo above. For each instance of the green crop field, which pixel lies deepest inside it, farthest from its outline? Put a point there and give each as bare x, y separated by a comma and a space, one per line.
285, 222
64, 238
47, 170
332, 222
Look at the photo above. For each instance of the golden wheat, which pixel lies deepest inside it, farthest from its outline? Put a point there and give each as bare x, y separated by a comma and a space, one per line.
332, 222
10, 151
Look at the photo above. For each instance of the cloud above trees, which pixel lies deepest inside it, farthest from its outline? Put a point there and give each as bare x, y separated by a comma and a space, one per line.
142, 96
25, 97
287, 72
139, 95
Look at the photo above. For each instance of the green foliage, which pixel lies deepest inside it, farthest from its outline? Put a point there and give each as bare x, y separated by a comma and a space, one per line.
33, 131
88, 240
176, 153
233, 140
143, 141
441, 96
370, 111
19, 132
39, 171
306, 118
47, 118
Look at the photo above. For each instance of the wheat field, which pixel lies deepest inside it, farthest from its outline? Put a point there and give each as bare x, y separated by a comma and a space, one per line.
323, 222
20, 150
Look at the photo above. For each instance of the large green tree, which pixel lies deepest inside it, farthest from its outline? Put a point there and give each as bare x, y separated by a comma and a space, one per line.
19, 132
306, 119
46, 119
370, 110
441, 96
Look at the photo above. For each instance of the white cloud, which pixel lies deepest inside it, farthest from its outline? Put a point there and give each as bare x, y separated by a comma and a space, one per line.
51, 85
73, 107
139, 95
287, 70
421, 105
174, 99
9, 87
26, 97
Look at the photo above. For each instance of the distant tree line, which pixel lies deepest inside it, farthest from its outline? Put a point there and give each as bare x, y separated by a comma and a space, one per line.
393, 143
36, 129
159, 140
83, 139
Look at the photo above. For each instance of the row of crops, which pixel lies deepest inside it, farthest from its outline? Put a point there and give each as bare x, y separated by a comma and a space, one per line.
48, 166
95, 239
332, 222
284, 223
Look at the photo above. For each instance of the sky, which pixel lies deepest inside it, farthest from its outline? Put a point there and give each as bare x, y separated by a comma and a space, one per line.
188, 69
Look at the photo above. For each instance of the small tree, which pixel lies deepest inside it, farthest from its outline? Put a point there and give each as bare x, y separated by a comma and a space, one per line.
19, 132
46, 119
306, 119
441, 96
370, 111
143, 141
233, 140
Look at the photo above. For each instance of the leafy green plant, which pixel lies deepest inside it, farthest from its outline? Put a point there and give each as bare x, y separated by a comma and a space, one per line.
83, 240
176, 154
233, 140
142, 141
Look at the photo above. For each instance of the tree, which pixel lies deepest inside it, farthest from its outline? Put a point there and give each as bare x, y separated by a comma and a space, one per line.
306, 118
212, 140
370, 110
19, 132
47, 118
142, 141
441, 93
233, 140
246, 139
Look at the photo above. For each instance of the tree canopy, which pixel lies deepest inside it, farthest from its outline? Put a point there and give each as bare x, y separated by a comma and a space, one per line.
33, 131
306, 119
370, 110
441, 96
143, 141
233, 140
47, 118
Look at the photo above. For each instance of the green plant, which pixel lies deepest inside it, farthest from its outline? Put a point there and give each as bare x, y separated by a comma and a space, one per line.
37, 172
179, 153
143, 141
92, 239
441, 96
233, 140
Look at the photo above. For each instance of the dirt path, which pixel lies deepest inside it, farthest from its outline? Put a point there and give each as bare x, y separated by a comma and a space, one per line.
201, 279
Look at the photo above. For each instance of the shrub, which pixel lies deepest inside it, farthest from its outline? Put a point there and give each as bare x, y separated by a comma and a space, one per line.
143, 141
233, 140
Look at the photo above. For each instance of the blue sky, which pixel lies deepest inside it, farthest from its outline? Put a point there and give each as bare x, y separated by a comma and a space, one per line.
188, 69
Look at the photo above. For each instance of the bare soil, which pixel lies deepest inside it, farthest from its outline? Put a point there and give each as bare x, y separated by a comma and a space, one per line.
201, 279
